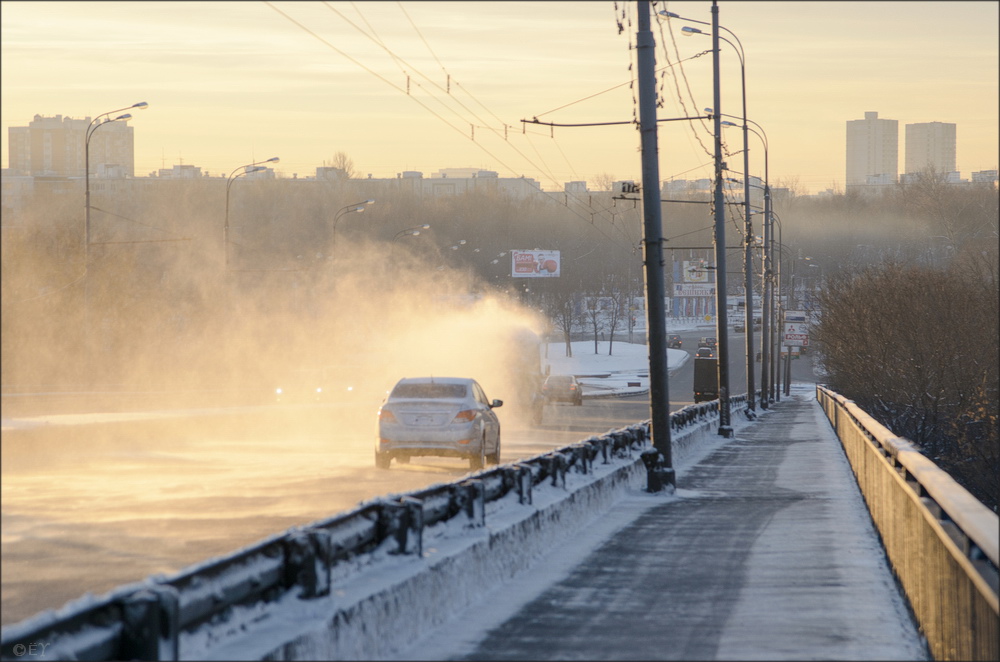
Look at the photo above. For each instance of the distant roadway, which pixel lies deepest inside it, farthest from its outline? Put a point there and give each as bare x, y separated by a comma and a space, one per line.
89, 507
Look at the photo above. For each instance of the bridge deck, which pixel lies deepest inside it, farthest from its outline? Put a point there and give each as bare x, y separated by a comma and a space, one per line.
765, 552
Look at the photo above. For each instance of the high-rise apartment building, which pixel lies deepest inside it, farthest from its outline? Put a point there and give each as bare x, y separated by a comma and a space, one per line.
872, 150
55, 147
930, 145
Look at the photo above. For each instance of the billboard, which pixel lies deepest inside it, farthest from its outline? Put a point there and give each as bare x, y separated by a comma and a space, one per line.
534, 264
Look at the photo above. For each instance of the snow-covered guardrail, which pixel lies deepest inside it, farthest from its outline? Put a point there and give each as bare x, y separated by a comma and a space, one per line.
941, 541
160, 618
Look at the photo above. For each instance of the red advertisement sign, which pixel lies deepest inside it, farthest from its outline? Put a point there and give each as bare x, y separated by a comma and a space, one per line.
534, 264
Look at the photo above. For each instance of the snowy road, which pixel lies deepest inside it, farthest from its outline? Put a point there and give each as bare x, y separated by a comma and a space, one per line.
90, 505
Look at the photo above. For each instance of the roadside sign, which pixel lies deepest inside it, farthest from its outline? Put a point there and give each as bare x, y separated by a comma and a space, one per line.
796, 334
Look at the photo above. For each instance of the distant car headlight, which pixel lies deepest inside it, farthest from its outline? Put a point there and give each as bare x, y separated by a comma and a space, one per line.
278, 391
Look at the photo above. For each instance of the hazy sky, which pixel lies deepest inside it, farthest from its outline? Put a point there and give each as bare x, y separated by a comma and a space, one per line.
229, 83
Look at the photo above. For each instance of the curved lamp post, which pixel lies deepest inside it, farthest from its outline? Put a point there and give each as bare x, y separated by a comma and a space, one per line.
722, 332
408, 232
238, 172
747, 217
767, 303
356, 207
94, 125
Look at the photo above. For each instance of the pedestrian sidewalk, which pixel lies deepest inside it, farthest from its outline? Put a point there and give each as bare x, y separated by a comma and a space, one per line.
765, 552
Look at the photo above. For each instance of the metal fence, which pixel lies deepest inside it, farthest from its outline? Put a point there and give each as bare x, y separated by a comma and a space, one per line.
941, 541
148, 620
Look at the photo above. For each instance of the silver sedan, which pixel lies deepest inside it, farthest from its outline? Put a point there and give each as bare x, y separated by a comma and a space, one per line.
442, 416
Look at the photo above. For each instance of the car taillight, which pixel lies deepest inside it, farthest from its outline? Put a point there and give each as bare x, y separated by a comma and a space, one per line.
572, 387
386, 416
466, 416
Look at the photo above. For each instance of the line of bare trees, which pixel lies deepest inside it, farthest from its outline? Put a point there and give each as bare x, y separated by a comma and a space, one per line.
916, 347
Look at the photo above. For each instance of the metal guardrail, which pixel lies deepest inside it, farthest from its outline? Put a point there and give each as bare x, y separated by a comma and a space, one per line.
941, 541
148, 620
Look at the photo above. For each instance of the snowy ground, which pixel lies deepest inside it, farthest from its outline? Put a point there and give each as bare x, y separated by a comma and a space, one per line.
616, 368
625, 370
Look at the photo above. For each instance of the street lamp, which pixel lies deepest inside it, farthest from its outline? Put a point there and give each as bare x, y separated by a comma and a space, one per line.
238, 172
772, 277
721, 323
408, 232
747, 214
747, 218
767, 303
94, 125
356, 207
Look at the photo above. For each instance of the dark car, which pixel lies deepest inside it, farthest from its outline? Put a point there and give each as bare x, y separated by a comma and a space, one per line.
674, 341
562, 388
706, 379
705, 353
708, 341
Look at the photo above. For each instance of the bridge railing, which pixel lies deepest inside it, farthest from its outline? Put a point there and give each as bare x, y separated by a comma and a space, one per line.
149, 620
941, 541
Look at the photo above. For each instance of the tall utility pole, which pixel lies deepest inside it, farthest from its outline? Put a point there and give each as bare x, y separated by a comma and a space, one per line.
721, 323
748, 251
767, 304
660, 468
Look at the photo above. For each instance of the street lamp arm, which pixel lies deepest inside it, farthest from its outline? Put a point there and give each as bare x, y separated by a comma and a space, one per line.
251, 167
357, 206
142, 105
738, 46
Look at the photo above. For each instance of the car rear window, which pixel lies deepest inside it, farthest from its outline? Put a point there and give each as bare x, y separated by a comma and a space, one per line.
560, 380
429, 391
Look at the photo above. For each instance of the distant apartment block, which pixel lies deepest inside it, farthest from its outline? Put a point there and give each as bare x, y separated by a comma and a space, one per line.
55, 147
455, 181
930, 146
872, 151
985, 176
180, 171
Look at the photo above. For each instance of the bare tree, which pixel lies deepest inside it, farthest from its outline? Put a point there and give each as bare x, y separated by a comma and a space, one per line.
603, 181
344, 163
594, 313
559, 307
916, 348
617, 310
